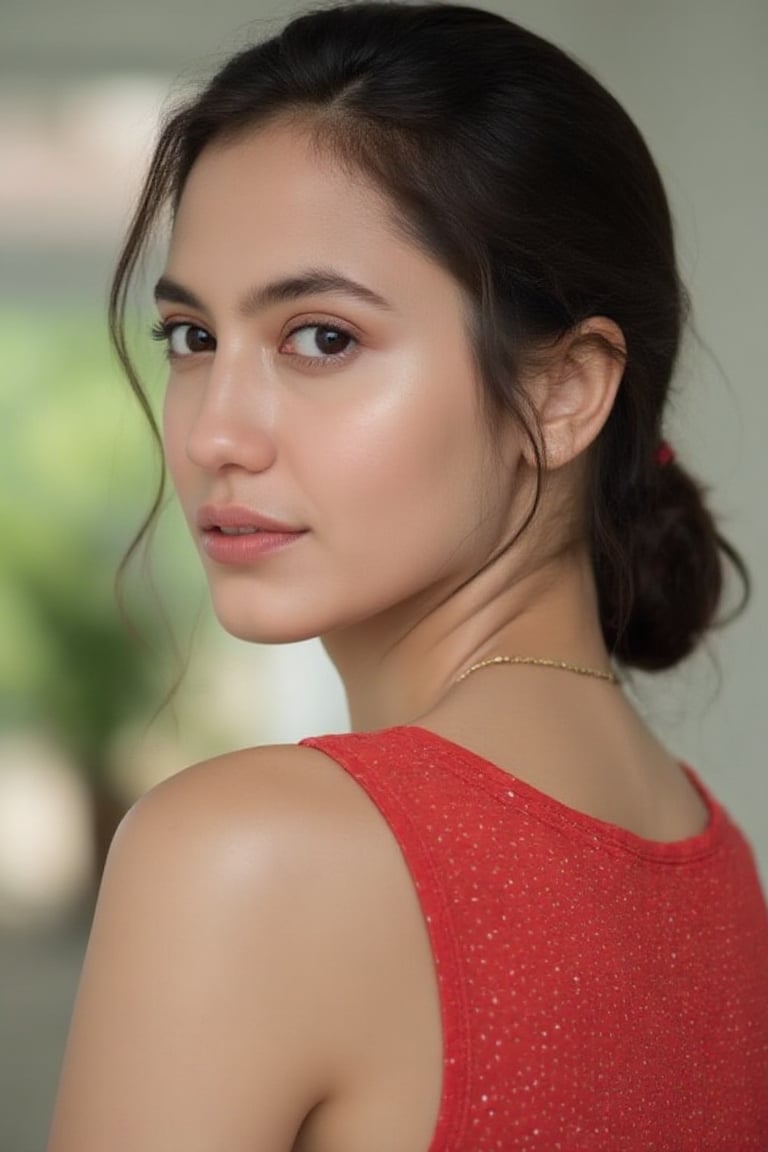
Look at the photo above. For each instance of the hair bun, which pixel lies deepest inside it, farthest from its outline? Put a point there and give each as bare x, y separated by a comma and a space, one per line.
674, 572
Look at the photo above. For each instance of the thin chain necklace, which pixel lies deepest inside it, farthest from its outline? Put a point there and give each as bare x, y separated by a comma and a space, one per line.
613, 679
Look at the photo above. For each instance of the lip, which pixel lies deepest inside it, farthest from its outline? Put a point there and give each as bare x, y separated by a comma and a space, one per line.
212, 516
272, 535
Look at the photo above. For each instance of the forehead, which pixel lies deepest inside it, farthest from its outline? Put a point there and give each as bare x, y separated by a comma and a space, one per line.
274, 200
275, 174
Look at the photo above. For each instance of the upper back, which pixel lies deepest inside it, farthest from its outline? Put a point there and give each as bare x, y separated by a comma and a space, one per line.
593, 985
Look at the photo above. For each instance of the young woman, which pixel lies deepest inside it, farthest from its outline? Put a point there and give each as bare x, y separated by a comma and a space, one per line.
422, 311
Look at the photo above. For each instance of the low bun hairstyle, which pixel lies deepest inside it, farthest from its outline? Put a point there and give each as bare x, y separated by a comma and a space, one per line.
511, 166
658, 560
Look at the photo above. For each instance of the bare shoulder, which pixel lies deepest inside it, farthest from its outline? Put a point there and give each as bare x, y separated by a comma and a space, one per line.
284, 820
249, 790
213, 990
279, 832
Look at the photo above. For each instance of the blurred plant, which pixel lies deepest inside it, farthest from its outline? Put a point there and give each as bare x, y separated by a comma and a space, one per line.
78, 475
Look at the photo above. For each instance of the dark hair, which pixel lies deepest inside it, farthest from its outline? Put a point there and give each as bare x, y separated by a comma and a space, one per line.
510, 165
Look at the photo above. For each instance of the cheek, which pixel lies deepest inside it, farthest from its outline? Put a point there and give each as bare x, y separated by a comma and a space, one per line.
403, 467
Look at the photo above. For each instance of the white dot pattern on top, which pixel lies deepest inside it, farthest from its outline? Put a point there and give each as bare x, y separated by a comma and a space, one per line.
597, 990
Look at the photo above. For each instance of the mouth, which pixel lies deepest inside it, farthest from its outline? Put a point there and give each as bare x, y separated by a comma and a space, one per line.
237, 520
238, 536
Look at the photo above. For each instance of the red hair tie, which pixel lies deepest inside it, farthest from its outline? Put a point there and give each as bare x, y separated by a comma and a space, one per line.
664, 454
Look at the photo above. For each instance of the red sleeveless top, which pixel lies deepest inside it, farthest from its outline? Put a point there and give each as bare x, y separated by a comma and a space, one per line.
597, 990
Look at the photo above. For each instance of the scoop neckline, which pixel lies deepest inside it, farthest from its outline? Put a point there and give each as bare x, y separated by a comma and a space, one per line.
510, 789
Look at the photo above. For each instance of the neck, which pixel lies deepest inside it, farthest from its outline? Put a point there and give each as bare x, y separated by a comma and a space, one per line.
401, 665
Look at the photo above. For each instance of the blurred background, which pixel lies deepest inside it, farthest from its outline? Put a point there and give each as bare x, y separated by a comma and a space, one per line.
82, 83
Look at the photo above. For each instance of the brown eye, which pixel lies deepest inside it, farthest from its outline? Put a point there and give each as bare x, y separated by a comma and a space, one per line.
315, 341
183, 339
188, 339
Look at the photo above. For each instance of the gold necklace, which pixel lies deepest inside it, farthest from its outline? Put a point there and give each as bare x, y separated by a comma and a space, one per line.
613, 679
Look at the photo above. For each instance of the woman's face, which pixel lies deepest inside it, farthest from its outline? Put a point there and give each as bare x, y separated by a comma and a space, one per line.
321, 381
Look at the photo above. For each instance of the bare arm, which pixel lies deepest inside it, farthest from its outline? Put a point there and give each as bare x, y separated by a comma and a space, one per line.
202, 1020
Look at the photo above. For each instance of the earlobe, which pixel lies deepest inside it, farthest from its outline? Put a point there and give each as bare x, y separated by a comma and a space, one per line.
575, 395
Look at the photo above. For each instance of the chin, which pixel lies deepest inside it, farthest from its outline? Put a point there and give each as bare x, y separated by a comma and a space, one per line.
257, 629
258, 616
268, 614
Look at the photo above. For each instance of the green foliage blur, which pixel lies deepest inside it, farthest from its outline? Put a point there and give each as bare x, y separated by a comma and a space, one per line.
79, 473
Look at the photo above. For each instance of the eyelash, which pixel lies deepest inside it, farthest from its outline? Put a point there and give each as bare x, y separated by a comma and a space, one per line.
163, 331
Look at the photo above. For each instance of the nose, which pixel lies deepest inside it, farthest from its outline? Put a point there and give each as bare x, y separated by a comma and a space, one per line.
234, 422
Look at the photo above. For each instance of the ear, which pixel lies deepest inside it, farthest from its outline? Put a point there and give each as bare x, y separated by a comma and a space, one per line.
574, 395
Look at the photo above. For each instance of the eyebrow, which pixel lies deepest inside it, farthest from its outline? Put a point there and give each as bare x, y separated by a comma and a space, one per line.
312, 282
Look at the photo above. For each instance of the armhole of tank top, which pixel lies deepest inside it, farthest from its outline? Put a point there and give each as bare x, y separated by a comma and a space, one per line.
435, 909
